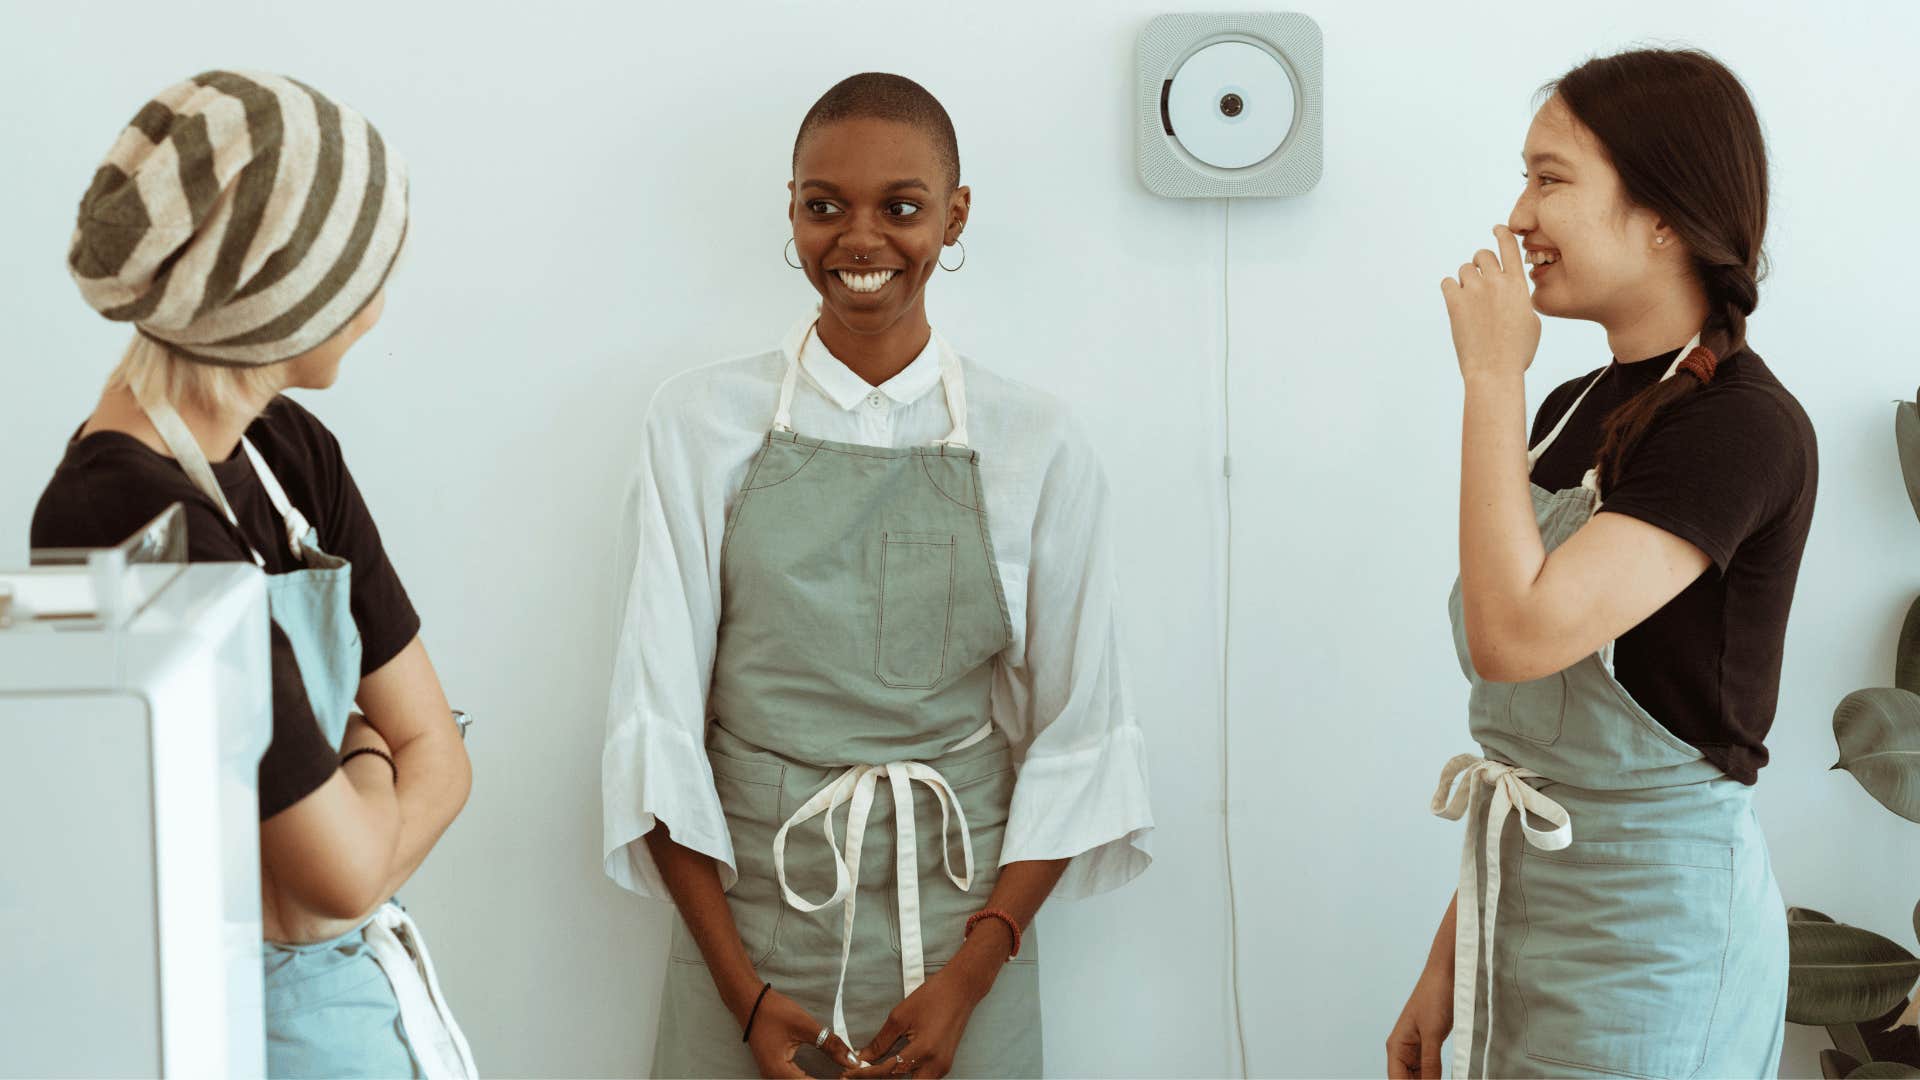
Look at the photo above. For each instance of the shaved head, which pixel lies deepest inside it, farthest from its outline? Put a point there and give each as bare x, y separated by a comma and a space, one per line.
879, 96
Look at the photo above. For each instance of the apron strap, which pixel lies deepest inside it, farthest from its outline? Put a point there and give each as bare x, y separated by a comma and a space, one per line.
431, 1032
952, 380
783, 415
856, 787
1534, 454
296, 523
193, 461
1510, 792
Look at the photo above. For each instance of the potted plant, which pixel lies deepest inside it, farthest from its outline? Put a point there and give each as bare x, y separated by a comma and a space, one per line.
1856, 983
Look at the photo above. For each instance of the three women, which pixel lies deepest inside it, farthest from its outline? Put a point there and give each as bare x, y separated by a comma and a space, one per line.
872, 586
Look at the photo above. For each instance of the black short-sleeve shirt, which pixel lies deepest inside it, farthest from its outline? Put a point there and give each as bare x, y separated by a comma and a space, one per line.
109, 484
1731, 468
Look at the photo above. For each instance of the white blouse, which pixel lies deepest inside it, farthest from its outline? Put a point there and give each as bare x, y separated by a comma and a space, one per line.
1059, 693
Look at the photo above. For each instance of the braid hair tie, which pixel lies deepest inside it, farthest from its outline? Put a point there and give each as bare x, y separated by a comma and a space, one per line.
1701, 364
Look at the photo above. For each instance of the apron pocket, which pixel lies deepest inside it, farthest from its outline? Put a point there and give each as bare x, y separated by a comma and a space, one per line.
1621, 952
1536, 709
750, 795
916, 608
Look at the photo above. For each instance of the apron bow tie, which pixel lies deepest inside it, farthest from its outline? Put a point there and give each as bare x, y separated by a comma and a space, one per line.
1460, 781
856, 788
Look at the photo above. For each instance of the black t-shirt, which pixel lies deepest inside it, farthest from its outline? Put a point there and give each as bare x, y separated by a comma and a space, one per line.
1730, 468
109, 484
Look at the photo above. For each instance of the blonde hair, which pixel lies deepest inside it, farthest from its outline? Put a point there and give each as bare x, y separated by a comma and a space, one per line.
154, 373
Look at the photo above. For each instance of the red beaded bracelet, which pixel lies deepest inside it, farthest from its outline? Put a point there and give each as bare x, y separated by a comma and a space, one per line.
996, 913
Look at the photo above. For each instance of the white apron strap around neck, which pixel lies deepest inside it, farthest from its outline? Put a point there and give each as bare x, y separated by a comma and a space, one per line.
296, 523
193, 461
952, 380
1534, 455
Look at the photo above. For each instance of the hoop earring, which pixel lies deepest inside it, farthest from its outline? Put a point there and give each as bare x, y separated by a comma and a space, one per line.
963, 256
789, 258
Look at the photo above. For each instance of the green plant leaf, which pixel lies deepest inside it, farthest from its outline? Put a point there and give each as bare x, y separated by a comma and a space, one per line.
1877, 1039
1842, 974
1906, 656
1906, 436
1850, 1040
1835, 1065
1879, 735
1807, 914
1883, 1070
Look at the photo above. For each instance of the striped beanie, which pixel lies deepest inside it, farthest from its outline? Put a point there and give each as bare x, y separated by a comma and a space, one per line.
241, 219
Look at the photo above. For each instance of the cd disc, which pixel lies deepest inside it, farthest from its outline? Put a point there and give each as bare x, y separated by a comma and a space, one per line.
1231, 105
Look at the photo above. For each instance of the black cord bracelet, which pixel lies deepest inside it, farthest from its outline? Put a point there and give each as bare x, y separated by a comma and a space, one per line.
764, 987
375, 751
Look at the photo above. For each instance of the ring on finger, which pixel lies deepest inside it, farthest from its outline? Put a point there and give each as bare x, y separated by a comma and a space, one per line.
820, 1040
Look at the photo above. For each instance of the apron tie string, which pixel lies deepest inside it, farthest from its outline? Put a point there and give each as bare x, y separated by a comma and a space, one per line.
432, 1033
1510, 792
856, 786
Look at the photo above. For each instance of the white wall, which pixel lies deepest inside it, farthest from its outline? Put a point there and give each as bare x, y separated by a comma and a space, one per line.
598, 194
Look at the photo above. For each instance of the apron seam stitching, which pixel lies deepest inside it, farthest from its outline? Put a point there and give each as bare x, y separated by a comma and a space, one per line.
746, 492
1719, 984
931, 479
993, 570
789, 476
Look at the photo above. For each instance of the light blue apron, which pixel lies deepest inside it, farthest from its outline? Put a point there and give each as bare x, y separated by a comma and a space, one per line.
331, 1006
1632, 926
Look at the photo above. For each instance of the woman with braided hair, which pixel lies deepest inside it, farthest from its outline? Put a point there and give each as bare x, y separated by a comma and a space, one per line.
1622, 604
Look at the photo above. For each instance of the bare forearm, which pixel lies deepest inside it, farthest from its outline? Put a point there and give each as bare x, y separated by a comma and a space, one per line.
1440, 954
434, 780
1023, 887
1501, 553
693, 880
321, 882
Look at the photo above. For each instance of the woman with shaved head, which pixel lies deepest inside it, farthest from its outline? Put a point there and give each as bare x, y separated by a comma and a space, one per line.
872, 589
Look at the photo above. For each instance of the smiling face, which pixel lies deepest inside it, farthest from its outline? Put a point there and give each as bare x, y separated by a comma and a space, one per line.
872, 206
1592, 254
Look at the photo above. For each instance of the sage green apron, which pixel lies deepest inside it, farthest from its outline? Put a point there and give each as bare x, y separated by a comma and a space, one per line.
861, 613
1654, 944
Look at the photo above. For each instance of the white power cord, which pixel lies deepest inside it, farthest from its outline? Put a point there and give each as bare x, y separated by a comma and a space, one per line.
1226, 631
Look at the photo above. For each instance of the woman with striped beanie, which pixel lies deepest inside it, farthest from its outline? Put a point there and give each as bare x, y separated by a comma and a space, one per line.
245, 225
